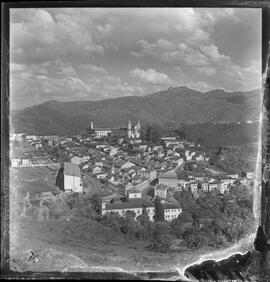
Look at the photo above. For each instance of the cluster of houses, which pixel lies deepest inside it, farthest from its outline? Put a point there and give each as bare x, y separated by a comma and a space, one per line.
173, 165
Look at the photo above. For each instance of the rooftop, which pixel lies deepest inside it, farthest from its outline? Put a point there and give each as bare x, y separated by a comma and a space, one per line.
71, 169
131, 204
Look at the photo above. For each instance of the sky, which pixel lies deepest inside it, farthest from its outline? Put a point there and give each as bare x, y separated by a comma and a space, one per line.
69, 54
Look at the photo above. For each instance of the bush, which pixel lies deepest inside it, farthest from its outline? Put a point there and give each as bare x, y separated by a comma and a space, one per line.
163, 243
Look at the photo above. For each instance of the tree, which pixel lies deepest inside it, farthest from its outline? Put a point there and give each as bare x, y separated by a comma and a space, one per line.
144, 219
161, 228
199, 141
96, 203
181, 133
147, 226
163, 243
159, 211
130, 226
176, 227
152, 134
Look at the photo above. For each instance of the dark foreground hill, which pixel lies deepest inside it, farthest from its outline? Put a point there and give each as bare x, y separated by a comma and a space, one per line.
164, 109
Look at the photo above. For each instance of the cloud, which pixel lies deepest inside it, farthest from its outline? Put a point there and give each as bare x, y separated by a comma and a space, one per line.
150, 76
201, 86
87, 52
93, 69
208, 71
16, 67
42, 37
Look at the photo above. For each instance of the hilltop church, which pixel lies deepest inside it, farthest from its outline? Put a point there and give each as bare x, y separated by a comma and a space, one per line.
132, 133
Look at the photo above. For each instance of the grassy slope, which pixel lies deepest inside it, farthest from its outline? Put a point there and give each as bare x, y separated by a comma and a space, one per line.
73, 240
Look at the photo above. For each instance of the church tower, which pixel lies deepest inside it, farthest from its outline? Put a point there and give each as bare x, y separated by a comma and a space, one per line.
138, 132
91, 125
129, 130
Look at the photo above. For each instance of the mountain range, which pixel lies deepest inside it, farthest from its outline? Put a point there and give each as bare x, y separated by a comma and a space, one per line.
164, 109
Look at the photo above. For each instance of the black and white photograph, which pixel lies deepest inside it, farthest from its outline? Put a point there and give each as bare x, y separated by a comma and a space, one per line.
135, 142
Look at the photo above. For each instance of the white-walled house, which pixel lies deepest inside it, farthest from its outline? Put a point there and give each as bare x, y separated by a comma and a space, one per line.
160, 191
235, 175
76, 160
213, 185
134, 194
72, 178
135, 205
193, 187
97, 169
171, 211
101, 175
169, 179
127, 165
15, 162
205, 186
250, 175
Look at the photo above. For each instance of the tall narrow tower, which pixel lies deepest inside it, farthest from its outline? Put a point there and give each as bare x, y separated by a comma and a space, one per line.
138, 135
91, 125
129, 129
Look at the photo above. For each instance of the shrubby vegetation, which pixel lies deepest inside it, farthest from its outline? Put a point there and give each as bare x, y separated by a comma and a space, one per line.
229, 159
212, 220
217, 220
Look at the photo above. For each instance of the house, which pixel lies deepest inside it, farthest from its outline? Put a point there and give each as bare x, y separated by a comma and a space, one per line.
226, 179
25, 160
142, 184
101, 175
235, 175
113, 151
199, 158
96, 170
31, 137
100, 164
213, 185
250, 175
135, 205
193, 187
127, 165
205, 186
134, 194
169, 179
72, 178
157, 147
160, 191
76, 160
103, 132
150, 174
171, 211
38, 146
85, 158
16, 162
223, 186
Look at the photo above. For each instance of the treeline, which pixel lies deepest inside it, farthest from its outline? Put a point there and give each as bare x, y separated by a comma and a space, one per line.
212, 220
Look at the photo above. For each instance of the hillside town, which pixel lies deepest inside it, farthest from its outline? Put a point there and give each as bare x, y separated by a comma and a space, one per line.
125, 170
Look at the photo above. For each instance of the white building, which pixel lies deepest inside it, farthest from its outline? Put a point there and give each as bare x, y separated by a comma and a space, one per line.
103, 132
76, 160
135, 132
171, 211
193, 187
169, 179
134, 194
160, 191
16, 162
135, 205
72, 178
